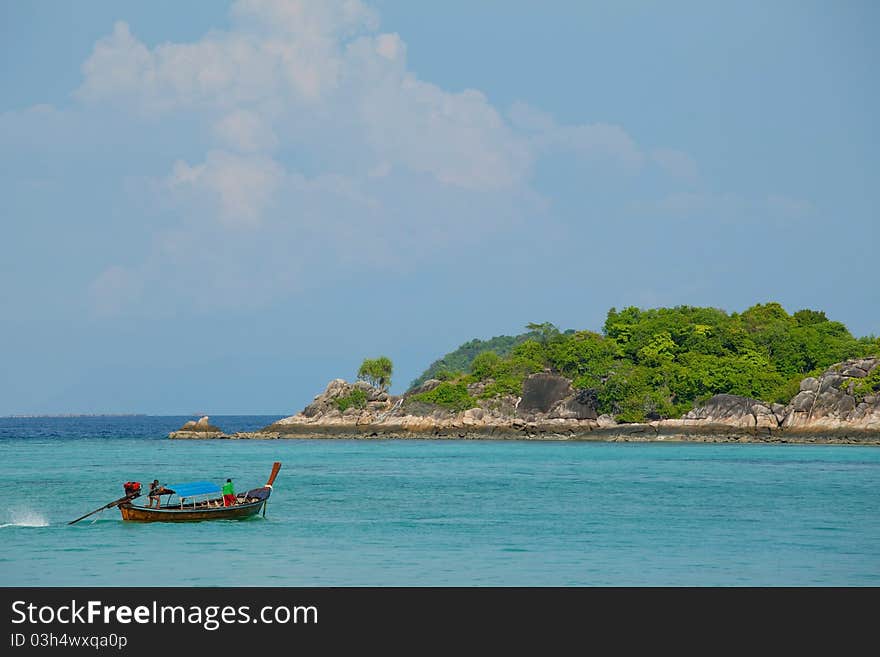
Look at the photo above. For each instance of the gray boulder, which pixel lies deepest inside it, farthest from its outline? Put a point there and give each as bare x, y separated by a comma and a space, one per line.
736, 411
325, 403
543, 391
810, 384
202, 425
578, 406
830, 381
833, 397
201, 428
803, 401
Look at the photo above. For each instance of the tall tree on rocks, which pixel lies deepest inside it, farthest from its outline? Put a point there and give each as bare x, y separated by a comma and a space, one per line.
376, 371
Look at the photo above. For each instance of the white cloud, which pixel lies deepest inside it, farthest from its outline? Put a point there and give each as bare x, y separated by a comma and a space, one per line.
119, 64
603, 141
220, 71
318, 137
306, 18
390, 46
246, 131
458, 138
530, 119
677, 164
289, 66
242, 186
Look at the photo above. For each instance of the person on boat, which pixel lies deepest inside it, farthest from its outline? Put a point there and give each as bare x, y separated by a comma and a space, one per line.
155, 489
228, 493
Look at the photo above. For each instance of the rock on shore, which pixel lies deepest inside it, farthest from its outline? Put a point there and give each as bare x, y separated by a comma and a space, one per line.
200, 428
834, 401
832, 404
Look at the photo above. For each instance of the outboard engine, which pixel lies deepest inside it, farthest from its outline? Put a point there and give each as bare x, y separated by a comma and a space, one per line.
132, 488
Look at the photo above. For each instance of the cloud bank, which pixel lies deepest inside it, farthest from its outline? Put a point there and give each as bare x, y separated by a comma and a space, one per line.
298, 139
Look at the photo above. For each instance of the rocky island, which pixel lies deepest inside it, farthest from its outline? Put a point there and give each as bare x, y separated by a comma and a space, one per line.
198, 429
626, 385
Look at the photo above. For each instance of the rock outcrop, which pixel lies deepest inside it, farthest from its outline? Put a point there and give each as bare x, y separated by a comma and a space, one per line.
548, 396
551, 409
200, 428
836, 400
841, 405
543, 391
836, 403
735, 411
341, 398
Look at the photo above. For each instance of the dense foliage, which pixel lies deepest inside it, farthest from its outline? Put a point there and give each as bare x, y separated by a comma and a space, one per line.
656, 363
357, 398
451, 396
459, 361
870, 385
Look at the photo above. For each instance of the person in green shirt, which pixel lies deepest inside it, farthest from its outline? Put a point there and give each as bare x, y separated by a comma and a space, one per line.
228, 493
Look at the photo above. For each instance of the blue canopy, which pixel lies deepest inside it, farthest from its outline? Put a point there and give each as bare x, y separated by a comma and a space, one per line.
195, 488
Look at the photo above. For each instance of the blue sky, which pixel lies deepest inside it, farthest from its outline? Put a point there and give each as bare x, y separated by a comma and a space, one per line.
218, 207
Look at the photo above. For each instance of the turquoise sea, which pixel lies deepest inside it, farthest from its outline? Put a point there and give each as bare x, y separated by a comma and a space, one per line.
437, 513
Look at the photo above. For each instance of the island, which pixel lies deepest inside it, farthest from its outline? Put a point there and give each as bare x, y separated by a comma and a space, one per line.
664, 374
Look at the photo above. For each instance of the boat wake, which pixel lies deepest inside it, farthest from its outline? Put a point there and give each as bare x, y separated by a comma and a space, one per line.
25, 518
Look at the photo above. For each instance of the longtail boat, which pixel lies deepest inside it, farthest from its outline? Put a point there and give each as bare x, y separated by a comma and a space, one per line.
192, 502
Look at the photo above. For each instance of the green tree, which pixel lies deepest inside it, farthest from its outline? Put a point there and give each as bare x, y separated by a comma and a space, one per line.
527, 357
659, 350
584, 356
485, 365
459, 360
869, 345
868, 385
452, 396
659, 362
763, 316
633, 394
507, 374
376, 371
546, 332
357, 398
808, 317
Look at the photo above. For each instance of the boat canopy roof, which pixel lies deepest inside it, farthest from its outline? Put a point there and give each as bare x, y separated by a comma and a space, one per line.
195, 488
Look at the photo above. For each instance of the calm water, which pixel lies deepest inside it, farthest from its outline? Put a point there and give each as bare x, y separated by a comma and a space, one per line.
352, 513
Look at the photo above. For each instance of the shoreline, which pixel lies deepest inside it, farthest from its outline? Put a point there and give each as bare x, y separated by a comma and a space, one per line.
841, 406
625, 433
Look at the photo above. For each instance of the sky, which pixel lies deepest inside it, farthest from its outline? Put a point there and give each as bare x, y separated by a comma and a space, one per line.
214, 207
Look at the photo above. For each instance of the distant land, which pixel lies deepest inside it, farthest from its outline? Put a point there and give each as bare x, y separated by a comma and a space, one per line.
58, 415
682, 373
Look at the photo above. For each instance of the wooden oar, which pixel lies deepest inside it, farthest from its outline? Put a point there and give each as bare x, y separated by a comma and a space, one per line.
109, 505
275, 468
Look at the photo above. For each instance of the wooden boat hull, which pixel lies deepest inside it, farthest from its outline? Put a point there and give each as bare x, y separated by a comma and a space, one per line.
251, 503
255, 500
165, 514
248, 504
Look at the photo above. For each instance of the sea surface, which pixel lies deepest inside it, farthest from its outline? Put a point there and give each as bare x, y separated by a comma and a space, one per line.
437, 513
